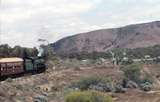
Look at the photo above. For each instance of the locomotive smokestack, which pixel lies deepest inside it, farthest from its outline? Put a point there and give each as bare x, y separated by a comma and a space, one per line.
41, 51
43, 47
40, 48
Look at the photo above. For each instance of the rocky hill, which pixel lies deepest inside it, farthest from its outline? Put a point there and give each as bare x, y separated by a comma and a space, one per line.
131, 36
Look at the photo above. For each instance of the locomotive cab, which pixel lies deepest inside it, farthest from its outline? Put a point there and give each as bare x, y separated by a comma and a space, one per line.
39, 64
34, 64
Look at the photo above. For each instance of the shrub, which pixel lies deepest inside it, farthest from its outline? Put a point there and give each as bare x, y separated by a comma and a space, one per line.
131, 84
132, 72
129, 61
103, 87
147, 78
40, 99
135, 79
87, 96
119, 88
89, 82
146, 86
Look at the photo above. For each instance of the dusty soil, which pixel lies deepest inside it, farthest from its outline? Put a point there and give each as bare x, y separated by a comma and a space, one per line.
52, 83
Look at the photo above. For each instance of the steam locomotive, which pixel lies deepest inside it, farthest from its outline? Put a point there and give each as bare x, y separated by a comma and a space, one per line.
11, 67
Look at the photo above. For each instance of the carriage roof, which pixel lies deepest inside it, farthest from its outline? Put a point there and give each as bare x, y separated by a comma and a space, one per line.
14, 59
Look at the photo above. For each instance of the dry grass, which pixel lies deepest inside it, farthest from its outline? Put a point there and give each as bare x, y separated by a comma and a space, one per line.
52, 83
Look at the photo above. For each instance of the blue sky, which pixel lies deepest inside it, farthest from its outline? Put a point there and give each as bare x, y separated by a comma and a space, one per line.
24, 21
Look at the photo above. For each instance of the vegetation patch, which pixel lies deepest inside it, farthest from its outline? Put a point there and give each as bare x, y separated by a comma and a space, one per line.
87, 96
134, 78
98, 83
132, 72
94, 82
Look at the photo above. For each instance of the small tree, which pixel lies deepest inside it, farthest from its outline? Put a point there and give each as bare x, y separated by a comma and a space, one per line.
132, 72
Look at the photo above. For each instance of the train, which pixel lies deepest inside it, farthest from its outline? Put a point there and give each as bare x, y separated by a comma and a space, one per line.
15, 66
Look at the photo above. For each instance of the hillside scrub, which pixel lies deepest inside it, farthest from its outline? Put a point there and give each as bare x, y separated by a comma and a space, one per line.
98, 83
146, 86
132, 72
87, 96
92, 81
134, 78
136, 53
60, 64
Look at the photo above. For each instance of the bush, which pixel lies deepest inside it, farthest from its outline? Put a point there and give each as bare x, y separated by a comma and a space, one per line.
40, 99
146, 86
147, 78
119, 88
87, 96
131, 84
90, 82
129, 61
132, 72
103, 87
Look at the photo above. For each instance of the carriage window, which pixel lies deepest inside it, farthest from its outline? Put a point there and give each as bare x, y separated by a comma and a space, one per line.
17, 67
3, 68
10, 67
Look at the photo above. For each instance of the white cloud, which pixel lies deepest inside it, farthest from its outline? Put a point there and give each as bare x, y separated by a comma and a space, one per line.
27, 18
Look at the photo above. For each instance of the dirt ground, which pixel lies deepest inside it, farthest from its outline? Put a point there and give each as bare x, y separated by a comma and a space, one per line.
51, 83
